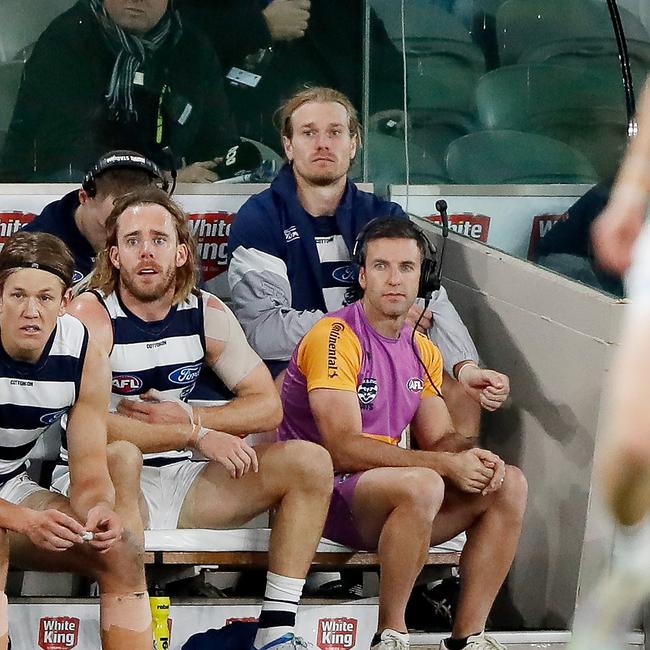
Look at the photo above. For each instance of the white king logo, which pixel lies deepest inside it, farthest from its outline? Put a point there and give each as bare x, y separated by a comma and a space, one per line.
58, 633
337, 633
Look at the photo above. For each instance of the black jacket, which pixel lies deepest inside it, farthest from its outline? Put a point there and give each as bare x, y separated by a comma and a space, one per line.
61, 122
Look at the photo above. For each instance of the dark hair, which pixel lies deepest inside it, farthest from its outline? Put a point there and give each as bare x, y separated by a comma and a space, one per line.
386, 228
115, 182
37, 250
381, 228
106, 276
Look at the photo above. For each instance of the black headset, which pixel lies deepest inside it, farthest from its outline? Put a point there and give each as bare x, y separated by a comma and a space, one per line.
122, 159
429, 277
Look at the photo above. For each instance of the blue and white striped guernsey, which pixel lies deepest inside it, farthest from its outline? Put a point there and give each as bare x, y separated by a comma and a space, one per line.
166, 355
35, 395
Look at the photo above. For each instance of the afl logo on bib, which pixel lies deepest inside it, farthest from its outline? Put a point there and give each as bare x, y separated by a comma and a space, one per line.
125, 384
367, 390
415, 385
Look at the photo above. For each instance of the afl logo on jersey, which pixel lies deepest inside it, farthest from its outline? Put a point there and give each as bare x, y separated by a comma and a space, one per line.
51, 418
367, 390
415, 385
126, 384
185, 375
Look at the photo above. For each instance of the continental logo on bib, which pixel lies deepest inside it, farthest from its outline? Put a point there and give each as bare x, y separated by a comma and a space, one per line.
185, 375
332, 341
337, 633
367, 391
58, 633
415, 385
126, 384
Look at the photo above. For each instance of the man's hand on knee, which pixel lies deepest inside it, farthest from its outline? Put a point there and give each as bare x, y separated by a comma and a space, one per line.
51, 530
106, 527
468, 471
232, 452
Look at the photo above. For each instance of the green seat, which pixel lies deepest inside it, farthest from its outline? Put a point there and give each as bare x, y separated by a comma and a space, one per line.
563, 30
504, 157
563, 103
10, 76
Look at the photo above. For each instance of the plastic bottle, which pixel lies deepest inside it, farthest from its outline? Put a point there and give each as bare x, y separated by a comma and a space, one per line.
159, 604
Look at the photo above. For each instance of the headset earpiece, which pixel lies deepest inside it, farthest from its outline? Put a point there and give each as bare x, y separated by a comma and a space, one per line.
122, 160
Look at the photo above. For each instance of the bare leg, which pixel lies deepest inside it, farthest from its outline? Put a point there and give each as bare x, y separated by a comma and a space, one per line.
125, 615
295, 476
394, 508
465, 412
493, 524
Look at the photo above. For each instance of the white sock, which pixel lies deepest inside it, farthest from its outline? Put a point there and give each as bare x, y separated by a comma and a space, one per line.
278, 615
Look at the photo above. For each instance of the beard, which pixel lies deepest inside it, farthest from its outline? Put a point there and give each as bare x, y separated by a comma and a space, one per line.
149, 292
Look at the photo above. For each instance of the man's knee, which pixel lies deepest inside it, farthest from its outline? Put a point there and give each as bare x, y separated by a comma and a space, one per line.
513, 494
421, 489
310, 465
124, 563
124, 459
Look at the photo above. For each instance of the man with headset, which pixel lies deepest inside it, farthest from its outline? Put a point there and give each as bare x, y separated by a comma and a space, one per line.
357, 379
290, 253
79, 217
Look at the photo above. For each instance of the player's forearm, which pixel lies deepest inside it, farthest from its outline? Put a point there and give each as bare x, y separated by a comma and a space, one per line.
14, 517
245, 414
360, 453
149, 438
450, 442
90, 493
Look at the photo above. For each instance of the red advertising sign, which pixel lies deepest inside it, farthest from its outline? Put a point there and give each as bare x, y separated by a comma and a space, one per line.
542, 223
337, 633
58, 633
211, 230
11, 222
476, 226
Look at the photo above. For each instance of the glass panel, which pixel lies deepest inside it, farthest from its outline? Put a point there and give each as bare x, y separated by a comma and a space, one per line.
513, 92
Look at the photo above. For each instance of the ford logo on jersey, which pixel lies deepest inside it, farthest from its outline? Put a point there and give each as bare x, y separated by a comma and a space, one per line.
186, 374
51, 418
126, 384
344, 274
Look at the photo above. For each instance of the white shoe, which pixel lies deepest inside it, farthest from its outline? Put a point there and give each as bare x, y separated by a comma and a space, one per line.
480, 641
392, 640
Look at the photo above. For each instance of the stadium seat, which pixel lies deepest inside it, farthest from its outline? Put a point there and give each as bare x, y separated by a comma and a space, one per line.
566, 31
386, 162
23, 21
563, 103
430, 31
491, 157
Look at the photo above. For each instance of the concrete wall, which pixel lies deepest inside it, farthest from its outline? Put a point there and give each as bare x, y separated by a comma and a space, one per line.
554, 338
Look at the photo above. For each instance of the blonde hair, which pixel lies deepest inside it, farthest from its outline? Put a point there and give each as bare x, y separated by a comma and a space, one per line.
106, 276
321, 95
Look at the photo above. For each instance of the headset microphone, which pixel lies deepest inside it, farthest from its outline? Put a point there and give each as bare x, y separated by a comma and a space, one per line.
441, 206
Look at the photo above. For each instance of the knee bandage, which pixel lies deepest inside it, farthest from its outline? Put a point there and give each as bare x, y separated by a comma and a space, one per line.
129, 612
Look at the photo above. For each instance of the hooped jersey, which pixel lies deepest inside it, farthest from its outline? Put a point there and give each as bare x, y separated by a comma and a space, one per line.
166, 355
344, 352
34, 396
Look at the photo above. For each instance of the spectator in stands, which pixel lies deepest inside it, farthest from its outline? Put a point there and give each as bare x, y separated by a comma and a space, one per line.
289, 44
113, 74
79, 218
357, 379
290, 253
566, 247
158, 328
49, 369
